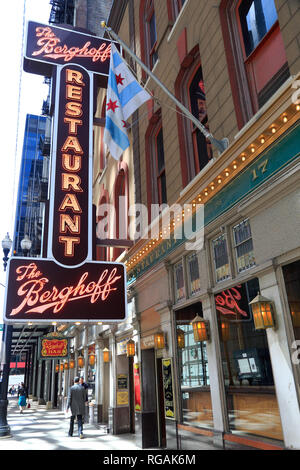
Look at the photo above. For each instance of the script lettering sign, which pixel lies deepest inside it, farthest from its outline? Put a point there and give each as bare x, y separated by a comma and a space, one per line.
53, 45
53, 347
41, 290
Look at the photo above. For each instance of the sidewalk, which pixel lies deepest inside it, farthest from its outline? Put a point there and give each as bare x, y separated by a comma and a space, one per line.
41, 429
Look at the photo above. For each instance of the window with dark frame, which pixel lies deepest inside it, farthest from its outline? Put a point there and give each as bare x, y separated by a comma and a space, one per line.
221, 259
151, 34
201, 146
256, 18
177, 6
179, 282
193, 274
243, 245
160, 168
252, 37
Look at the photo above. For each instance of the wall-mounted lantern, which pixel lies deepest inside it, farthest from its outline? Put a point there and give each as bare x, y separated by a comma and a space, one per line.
159, 340
57, 368
180, 338
80, 362
92, 359
106, 355
201, 329
66, 366
61, 367
71, 364
263, 312
130, 348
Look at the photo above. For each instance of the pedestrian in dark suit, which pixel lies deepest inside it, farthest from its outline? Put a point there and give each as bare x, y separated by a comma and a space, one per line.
76, 401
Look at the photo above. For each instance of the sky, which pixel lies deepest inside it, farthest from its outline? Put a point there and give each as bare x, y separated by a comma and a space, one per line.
20, 94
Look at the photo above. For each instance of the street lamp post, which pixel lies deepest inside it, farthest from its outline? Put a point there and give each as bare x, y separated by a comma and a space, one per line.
7, 336
6, 246
26, 244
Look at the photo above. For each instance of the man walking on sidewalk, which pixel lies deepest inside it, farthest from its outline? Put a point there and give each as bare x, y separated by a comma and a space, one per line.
76, 401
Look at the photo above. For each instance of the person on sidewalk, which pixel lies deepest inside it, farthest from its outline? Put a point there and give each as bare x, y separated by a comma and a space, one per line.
22, 395
76, 402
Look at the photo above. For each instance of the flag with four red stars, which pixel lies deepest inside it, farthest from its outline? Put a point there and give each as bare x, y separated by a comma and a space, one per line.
124, 96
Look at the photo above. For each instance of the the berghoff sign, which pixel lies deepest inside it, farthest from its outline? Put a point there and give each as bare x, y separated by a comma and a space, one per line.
68, 285
40, 290
59, 46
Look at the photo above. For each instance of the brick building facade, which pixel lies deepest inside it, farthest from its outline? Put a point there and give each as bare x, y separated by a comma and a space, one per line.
235, 65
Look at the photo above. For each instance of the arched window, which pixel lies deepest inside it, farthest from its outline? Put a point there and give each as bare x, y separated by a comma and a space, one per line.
177, 6
155, 162
255, 53
121, 207
148, 33
195, 149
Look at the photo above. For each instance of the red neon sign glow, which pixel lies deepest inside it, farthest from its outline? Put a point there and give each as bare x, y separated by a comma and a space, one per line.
38, 299
48, 43
227, 302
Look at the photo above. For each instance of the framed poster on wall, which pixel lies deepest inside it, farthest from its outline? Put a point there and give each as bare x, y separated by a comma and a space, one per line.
137, 387
167, 374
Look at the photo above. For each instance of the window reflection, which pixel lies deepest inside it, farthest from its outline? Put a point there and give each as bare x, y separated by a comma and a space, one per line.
249, 386
194, 373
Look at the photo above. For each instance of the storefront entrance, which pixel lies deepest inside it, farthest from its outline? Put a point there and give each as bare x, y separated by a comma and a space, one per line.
152, 425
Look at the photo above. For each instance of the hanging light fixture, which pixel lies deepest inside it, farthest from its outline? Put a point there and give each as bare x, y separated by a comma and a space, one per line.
263, 312
225, 331
106, 357
56, 368
159, 340
71, 364
66, 366
180, 338
61, 367
130, 348
80, 362
295, 313
200, 329
92, 359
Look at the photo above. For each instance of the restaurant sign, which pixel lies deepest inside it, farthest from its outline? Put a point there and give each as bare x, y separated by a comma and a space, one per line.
42, 291
53, 346
49, 45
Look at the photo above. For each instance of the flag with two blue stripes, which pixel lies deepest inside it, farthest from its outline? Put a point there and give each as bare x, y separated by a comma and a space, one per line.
124, 96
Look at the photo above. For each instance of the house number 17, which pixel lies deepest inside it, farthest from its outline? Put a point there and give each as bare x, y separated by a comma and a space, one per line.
261, 168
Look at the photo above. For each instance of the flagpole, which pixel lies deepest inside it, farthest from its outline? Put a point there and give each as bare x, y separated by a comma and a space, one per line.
220, 144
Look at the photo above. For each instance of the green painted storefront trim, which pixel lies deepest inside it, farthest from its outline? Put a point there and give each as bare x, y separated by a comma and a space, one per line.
271, 161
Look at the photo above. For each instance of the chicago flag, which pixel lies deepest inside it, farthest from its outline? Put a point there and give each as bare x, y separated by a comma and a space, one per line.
124, 96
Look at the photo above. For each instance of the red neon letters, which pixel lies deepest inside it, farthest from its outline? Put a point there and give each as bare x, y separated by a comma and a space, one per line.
49, 47
226, 302
37, 298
